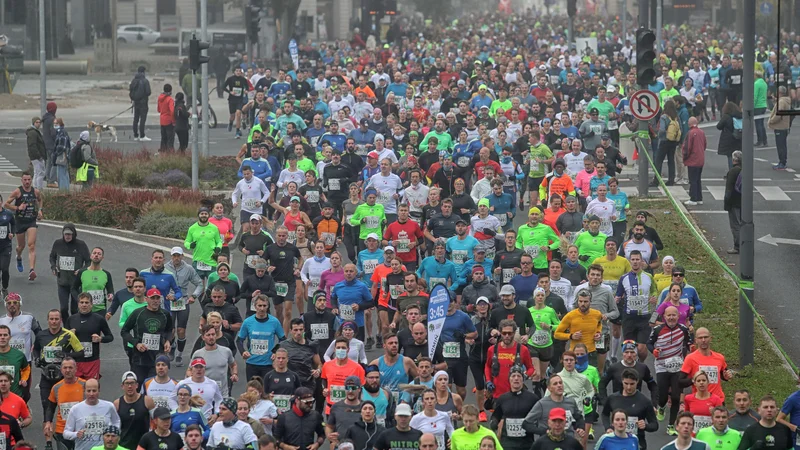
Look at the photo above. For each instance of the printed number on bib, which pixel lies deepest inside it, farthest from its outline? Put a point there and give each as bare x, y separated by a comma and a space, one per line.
87, 349
540, 337
403, 245
250, 203
152, 341
161, 401
64, 408
251, 259
179, 304
637, 303
514, 427
372, 222
508, 274
203, 266
503, 218
333, 184
259, 346
533, 251
3, 232
701, 422
463, 161
370, 265
50, 352
292, 237
395, 290
281, 289
384, 197
435, 281
313, 285
459, 256
282, 402
337, 394
346, 312
319, 331
452, 350
328, 238
673, 365
632, 426
98, 297
600, 344
18, 344
713, 373
66, 263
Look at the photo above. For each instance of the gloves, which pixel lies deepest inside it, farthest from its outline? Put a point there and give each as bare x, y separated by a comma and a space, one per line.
489, 232
656, 352
584, 258
193, 245
489, 387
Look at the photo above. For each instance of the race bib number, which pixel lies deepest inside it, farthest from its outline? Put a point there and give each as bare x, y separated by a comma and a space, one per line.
237, 92
3, 232
50, 352
395, 290
540, 337
282, 402
403, 245
313, 285
329, 239
337, 394
319, 331
533, 251
11, 370
203, 266
372, 222
94, 425
459, 256
292, 237
701, 422
88, 349
346, 313
514, 427
18, 344
281, 289
179, 304
66, 263
259, 346
508, 274
370, 265
631, 426
381, 419
152, 341
452, 350
161, 401
250, 203
98, 297
571, 236
312, 197
463, 161
672, 365
600, 344
714, 80
605, 224
440, 443
334, 184
435, 281
637, 303
713, 373
384, 197
63, 409
503, 218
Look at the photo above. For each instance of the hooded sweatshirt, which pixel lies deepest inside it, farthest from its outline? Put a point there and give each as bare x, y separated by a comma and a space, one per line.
68, 257
363, 434
48, 132
166, 107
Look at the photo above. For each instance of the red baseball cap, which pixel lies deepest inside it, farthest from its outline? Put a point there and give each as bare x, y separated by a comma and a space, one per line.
153, 292
558, 414
201, 362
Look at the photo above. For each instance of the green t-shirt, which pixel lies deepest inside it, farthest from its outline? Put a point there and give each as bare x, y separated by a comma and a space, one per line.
497, 104
375, 219
531, 239
207, 238
102, 447
444, 138
542, 338
594, 377
540, 151
728, 441
665, 95
603, 108
127, 308
593, 246
305, 165
96, 283
760, 94
13, 362
463, 440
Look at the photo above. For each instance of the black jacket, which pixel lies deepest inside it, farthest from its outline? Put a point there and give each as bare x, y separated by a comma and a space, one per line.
296, 430
727, 143
66, 258
733, 199
363, 434
139, 89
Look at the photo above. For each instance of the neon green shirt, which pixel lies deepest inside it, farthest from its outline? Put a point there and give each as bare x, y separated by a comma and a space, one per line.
592, 246
444, 138
207, 239
542, 338
729, 440
464, 440
305, 165
375, 216
497, 104
127, 308
665, 95
532, 239
540, 151
96, 283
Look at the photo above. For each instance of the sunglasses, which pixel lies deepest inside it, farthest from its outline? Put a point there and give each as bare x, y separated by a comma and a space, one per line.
307, 401
507, 333
351, 388
677, 275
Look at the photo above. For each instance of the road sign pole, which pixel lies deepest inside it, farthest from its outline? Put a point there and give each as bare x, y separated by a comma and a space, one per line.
195, 136
747, 233
644, 173
204, 77
644, 107
42, 62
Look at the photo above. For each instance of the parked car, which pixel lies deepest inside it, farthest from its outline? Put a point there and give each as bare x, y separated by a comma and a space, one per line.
137, 34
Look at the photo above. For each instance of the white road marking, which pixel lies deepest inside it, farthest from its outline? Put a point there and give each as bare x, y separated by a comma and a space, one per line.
6, 165
722, 180
790, 170
772, 193
679, 193
718, 192
118, 238
760, 159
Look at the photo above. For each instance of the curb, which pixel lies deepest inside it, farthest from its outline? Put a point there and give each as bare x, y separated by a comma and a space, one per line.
157, 241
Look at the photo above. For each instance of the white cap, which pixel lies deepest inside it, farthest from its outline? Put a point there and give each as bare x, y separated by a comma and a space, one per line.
388, 248
176, 251
508, 290
482, 299
403, 410
255, 217
129, 376
373, 236
378, 137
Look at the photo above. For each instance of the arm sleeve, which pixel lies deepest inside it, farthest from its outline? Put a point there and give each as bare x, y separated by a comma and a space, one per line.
651, 420
106, 331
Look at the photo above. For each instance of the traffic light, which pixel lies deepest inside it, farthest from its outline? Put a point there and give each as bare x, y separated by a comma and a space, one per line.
253, 22
196, 46
572, 8
645, 56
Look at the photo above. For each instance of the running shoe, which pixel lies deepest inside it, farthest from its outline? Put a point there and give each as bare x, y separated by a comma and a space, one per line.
591, 434
19, 265
660, 413
31, 275
4, 293
379, 341
368, 345
230, 127
238, 134
145, 139
779, 166
482, 417
671, 431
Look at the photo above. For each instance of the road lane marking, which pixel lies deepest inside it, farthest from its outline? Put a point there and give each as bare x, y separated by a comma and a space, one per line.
679, 193
718, 192
118, 238
754, 212
772, 193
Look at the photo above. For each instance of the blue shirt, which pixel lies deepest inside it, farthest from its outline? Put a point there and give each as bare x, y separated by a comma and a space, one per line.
361, 137
352, 293
524, 287
431, 269
466, 271
688, 296
460, 250
373, 259
620, 200
595, 181
611, 441
502, 203
262, 335
571, 131
164, 281
394, 375
791, 407
458, 322
399, 89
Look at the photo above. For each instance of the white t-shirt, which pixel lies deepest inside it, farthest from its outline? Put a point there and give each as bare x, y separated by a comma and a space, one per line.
416, 197
264, 408
91, 418
386, 186
603, 210
236, 436
250, 192
312, 272
209, 390
436, 425
161, 393
574, 163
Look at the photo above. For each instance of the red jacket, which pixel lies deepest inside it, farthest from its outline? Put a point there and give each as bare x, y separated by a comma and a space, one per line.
166, 107
506, 357
694, 148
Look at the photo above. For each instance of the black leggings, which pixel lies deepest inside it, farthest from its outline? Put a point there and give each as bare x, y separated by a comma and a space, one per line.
477, 369
5, 262
68, 299
668, 388
351, 241
183, 139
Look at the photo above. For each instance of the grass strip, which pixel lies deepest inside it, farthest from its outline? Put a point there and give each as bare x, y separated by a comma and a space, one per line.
768, 374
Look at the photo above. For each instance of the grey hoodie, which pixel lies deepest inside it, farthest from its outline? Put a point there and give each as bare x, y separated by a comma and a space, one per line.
536, 420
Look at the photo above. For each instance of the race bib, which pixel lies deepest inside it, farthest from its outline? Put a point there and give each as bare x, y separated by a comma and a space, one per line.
50, 352
440, 443
98, 297
88, 349
250, 203
259, 346
161, 401
236, 92
638, 303
337, 394
713, 373
319, 331
179, 304
503, 218
152, 341
600, 344
66, 263
631, 426
533, 251
435, 281
372, 221
281, 289
463, 161
452, 350
11, 370
18, 344
672, 365
334, 184
329, 239
312, 196
714, 80
514, 427
346, 313
292, 237
384, 197
370, 265
508, 274
3, 232
313, 285
94, 425
701, 422
459, 256
490, 254
540, 337
63, 409
203, 266
402, 245
605, 224
282, 402
250, 260
571, 236
395, 290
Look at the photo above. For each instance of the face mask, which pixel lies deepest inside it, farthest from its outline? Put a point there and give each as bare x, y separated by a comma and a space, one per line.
341, 353
506, 159
57, 127
582, 363
638, 235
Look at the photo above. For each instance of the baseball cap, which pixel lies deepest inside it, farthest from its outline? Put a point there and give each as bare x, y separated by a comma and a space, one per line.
373, 155
255, 217
388, 248
593, 218
461, 221
294, 199
176, 251
352, 380
403, 410
153, 292
611, 88
558, 414
482, 299
129, 376
364, 122
508, 290
594, 111
484, 107
461, 82
161, 413
605, 136
373, 236
198, 362
559, 162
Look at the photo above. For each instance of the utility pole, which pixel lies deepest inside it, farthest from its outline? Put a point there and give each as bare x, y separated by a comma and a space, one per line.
204, 77
572, 11
644, 13
624, 17
42, 62
659, 25
196, 60
645, 75
747, 232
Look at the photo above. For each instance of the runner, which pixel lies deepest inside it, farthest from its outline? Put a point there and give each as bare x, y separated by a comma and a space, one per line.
149, 331
8, 226
28, 205
262, 332
253, 195
91, 329
68, 255
284, 262
95, 281
60, 399
203, 239
23, 328
51, 347
184, 275
161, 388
88, 419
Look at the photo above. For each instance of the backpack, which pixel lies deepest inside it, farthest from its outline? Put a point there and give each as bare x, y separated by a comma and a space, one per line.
673, 130
737, 128
138, 90
76, 155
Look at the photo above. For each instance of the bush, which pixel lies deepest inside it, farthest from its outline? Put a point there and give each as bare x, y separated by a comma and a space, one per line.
174, 208
158, 223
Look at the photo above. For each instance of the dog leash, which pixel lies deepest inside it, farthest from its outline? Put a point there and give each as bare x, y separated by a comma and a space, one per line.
115, 116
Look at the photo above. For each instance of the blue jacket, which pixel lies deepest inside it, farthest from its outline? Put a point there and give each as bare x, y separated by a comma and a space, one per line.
261, 168
722, 71
689, 294
164, 281
683, 120
477, 102
337, 141
322, 108
350, 293
431, 268
361, 137
399, 89
502, 203
466, 272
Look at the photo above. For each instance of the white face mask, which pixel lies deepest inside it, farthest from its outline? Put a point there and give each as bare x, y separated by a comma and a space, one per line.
341, 353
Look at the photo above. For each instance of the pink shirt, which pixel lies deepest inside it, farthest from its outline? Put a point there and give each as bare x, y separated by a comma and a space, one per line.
327, 281
582, 182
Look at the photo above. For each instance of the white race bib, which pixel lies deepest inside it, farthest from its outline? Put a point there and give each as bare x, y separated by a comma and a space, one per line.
88, 349
152, 341
372, 221
259, 346
319, 331
250, 203
333, 184
463, 161
395, 290
312, 196
3, 232
179, 304
514, 427
508, 274
384, 197
452, 350
49, 352
346, 313
632, 426
434, 281
251, 259
329, 239
203, 266
533, 251
671, 365
713, 373
701, 422
313, 285
459, 256
402, 245
19, 344
600, 344
282, 402
503, 218
370, 265
94, 425
63, 409
66, 263
638, 302
292, 237
160, 401
98, 297
540, 337
281, 289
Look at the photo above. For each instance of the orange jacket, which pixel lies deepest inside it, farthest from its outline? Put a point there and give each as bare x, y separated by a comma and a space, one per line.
166, 107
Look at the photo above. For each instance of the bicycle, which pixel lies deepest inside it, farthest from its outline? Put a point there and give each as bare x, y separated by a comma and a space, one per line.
212, 116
